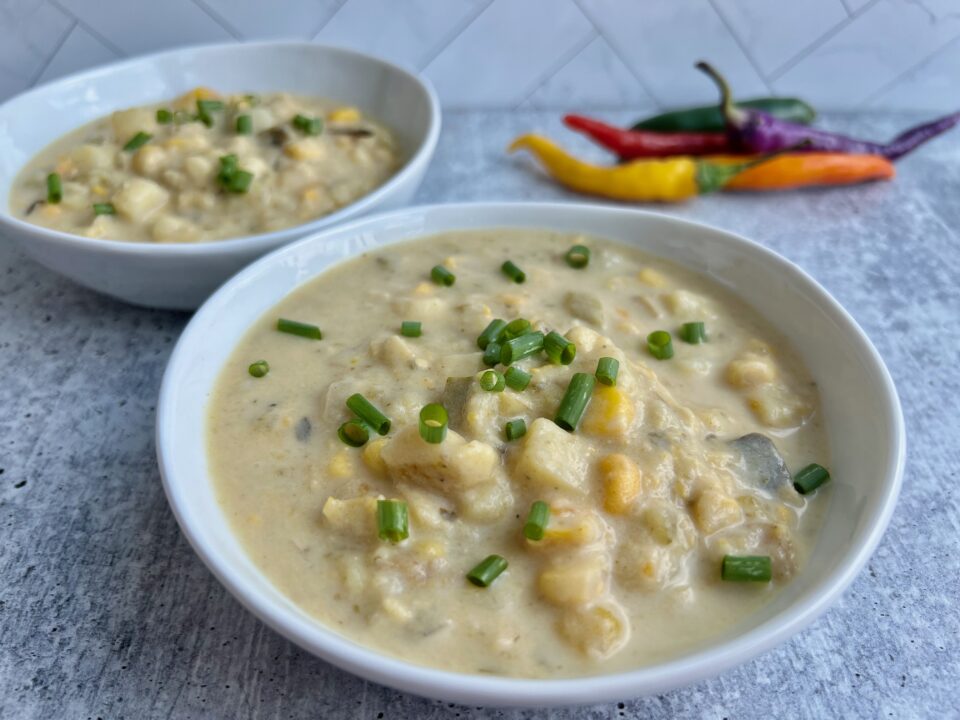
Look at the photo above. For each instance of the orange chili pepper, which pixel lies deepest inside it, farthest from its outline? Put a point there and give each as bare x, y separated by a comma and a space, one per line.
796, 170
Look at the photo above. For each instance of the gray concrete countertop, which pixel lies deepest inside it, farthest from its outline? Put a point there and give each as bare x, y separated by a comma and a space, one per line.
106, 612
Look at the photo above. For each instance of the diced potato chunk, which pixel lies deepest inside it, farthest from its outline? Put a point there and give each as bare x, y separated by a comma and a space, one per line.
372, 455
574, 581
450, 466
171, 229
585, 306
713, 511
150, 160
687, 305
395, 352
356, 517
569, 528
776, 406
620, 479
610, 414
598, 630
552, 459
139, 198
749, 371
127, 123
92, 157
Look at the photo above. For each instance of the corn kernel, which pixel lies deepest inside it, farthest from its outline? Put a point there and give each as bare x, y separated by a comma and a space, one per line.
750, 371
341, 465
372, 456
714, 511
609, 414
344, 115
430, 549
651, 277
621, 483
189, 99
423, 289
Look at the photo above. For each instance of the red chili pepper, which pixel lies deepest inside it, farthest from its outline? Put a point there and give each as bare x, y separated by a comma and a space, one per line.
632, 144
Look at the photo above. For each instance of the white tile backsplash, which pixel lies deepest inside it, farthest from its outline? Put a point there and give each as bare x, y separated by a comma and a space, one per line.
839, 54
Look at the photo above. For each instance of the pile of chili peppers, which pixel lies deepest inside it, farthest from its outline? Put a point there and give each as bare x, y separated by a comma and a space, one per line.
762, 144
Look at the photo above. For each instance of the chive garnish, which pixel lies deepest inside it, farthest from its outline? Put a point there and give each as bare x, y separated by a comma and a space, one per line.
607, 370
515, 429
411, 328
54, 188
517, 379
164, 116
354, 433
442, 276
293, 327
521, 347
239, 182
392, 523
487, 571
693, 333
104, 209
810, 478
513, 272
244, 125
492, 381
491, 333
746, 568
205, 107
259, 368
537, 521
578, 256
308, 125
366, 411
491, 355
137, 141
660, 344
559, 350
516, 328
433, 423
574, 401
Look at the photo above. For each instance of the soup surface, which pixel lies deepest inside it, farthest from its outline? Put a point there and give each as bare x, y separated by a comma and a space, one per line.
682, 462
205, 167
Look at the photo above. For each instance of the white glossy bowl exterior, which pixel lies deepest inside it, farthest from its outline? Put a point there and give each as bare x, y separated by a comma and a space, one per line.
182, 276
860, 408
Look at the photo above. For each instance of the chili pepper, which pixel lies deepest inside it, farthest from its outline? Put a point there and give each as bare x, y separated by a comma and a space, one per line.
632, 144
797, 170
710, 117
670, 180
756, 131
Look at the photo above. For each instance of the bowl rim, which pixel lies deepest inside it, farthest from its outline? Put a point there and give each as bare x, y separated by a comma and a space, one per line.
701, 664
245, 243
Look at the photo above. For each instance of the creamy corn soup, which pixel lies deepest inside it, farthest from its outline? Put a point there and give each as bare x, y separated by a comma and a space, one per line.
662, 515
205, 167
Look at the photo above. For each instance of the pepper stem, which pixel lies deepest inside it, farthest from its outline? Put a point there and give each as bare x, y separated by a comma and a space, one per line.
712, 176
731, 113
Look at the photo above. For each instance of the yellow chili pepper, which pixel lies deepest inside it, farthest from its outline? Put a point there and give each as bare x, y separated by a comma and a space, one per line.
663, 180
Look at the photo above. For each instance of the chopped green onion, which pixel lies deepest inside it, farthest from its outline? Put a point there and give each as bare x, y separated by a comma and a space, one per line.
513, 272
298, 328
492, 381
205, 107
392, 523
660, 344
491, 333
607, 370
366, 411
104, 209
228, 165
137, 141
308, 125
810, 478
521, 347
693, 333
487, 571
433, 423
181, 117
442, 276
491, 356
574, 401
515, 429
164, 116
517, 379
411, 328
560, 351
746, 568
537, 521
239, 181
259, 368
516, 328
578, 256
244, 125
354, 432
54, 188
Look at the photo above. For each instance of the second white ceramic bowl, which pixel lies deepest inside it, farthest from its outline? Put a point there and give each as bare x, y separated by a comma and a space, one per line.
859, 404
182, 276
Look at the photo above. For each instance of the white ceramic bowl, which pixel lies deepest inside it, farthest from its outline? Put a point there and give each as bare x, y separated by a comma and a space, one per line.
860, 407
182, 276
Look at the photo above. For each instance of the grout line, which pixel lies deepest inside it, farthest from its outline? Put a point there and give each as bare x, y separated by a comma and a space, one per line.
743, 47
560, 64
56, 48
219, 19
808, 50
621, 57
323, 23
90, 29
870, 98
453, 35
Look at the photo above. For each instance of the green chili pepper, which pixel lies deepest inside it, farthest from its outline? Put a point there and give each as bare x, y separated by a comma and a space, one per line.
710, 117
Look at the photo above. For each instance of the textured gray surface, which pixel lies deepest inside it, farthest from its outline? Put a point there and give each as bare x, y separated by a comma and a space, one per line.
106, 612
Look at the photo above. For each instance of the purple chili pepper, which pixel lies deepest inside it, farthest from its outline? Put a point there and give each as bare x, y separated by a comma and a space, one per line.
758, 132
